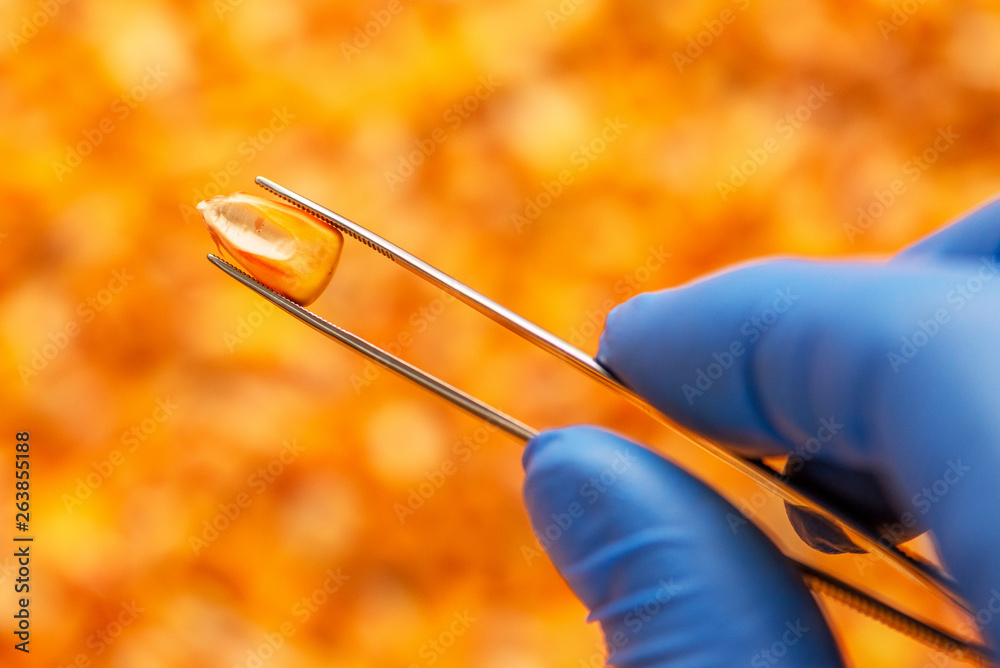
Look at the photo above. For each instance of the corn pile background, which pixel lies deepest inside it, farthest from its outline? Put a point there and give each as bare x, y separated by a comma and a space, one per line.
557, 156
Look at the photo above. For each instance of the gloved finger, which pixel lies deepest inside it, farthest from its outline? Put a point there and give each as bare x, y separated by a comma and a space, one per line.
888, 370
974, 236
703, 354
692, 351
938, 420
674, 574
772, 356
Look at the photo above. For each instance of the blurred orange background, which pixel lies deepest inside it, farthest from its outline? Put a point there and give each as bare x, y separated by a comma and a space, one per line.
214, 484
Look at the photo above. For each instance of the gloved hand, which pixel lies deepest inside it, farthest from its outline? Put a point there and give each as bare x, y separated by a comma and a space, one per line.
882, 377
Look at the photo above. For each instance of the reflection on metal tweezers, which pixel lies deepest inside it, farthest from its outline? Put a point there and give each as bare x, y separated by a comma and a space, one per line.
929, 576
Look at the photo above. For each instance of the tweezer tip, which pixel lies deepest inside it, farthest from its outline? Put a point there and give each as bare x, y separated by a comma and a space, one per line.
273, 188
228, 268
221, 264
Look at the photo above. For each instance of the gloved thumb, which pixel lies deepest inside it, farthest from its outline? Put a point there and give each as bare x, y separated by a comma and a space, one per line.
675, 575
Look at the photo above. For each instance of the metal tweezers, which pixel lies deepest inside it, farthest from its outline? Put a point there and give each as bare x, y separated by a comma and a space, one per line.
819, 581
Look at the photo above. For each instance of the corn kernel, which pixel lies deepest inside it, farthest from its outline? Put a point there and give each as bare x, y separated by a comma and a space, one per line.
284, 248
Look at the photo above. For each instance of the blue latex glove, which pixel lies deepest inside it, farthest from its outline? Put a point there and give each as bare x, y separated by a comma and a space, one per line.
880, 377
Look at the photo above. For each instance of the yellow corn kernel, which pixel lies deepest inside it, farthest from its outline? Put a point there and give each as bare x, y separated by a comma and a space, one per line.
281, 246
